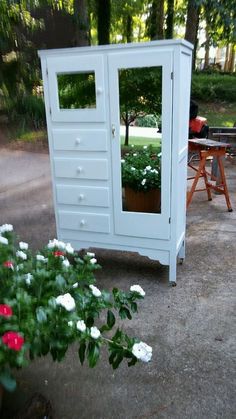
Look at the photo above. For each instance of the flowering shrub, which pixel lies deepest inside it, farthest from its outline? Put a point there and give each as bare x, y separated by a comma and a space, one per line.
49, 301
141, 169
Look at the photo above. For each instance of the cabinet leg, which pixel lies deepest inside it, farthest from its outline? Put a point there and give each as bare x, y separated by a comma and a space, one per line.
172, 271
181, 254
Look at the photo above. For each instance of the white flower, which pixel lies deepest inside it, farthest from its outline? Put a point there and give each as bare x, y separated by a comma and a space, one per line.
66, 301
56, 243
93, 261
19, 267
75, 285
28, 278
132, 145
3, 240
70, 323
66, 263
91, 255
122, 161
41, 258
21, 254
159, 154
69, 248
23, 246
133, 168
5, 228
81, 326
143, 181
145, 147
95, 332
135, 154
142, 351
154, 171
138, 289
95, 291
148, 167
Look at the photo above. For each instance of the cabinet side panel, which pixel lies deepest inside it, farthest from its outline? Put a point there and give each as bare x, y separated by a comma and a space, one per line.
185, 84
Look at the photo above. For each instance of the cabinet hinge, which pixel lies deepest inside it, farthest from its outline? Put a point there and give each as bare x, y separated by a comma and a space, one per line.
169, 220
50, 111
172, 75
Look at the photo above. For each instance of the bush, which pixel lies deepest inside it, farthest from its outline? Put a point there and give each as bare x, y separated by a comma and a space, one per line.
214, 86
27, 109
150, 121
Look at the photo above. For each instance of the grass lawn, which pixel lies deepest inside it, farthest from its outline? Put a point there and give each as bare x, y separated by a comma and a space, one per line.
141, 141
218, 114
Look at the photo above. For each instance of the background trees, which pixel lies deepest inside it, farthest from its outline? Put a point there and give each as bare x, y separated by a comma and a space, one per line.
29, 25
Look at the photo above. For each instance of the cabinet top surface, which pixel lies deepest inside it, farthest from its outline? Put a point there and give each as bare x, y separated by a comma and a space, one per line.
114, 47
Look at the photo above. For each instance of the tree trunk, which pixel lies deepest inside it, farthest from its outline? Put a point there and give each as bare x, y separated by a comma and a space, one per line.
192, 23
226, 65
82, 23
126, 120
156, 20
207, 50
103, 21
232, 59
170, 19
129, 28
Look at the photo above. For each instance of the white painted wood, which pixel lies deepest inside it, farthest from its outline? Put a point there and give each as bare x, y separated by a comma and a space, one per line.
82, 195
83, 221
79, 140
81, 168
85, 152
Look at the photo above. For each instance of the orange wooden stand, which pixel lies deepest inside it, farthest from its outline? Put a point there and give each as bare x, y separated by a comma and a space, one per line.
205, 148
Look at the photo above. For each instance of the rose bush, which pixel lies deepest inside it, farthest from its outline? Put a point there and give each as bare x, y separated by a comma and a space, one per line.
141, 169
48, 301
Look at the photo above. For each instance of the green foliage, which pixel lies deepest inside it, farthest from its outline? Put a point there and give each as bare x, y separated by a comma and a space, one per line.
27, 110
141, 171
150, 121
49, 301
77, 91
214, 86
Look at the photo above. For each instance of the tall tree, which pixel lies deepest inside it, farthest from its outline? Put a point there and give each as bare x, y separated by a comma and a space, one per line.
81, 23
192, 23
103, 21
170, 19
155, 20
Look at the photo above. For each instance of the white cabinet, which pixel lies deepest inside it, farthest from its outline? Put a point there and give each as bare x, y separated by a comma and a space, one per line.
88, 93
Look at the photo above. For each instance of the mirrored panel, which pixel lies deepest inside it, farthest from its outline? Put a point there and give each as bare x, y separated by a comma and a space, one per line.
140, 94
76, 90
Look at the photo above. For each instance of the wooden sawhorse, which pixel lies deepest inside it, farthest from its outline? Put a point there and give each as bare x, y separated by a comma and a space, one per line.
205, 148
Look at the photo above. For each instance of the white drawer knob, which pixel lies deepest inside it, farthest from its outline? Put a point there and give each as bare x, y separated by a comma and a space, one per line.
79, 169
81, 196
99, 90
78, 141
82, 223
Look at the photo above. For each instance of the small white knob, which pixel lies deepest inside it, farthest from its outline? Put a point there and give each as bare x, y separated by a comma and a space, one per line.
99, 90
79, 169
81, 196
78, 141
82, 223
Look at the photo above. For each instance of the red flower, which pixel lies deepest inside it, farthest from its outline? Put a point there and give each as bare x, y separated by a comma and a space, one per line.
58, 253
13, 340
8, 264
5, 310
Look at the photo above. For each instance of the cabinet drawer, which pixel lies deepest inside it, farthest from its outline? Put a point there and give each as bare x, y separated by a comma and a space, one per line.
99, 223
81, 168
82, 195
78, 139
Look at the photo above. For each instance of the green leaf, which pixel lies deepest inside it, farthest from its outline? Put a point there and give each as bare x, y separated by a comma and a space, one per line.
41, 315
134, 307
7, 381
118, 359
110, 319
125, 313
60, 281
132, 362
82, 350
89, 322
93, 354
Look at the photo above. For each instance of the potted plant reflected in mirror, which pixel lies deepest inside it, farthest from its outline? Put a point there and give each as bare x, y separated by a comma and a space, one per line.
141, 180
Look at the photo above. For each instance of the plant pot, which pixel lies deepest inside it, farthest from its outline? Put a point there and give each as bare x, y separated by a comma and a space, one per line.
139, 201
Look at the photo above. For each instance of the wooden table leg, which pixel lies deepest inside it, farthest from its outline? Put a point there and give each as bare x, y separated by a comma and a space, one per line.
224, 184
196, 179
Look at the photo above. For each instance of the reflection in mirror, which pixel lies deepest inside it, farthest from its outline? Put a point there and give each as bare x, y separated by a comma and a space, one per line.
76, 90
140, 91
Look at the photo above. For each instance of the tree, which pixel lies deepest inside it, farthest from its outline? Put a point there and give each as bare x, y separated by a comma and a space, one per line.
170, 19
140, 94
155, 20
192, 23
81, 23
103, 21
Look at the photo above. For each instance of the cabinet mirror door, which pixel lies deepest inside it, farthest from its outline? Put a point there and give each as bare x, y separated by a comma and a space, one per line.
141, 109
